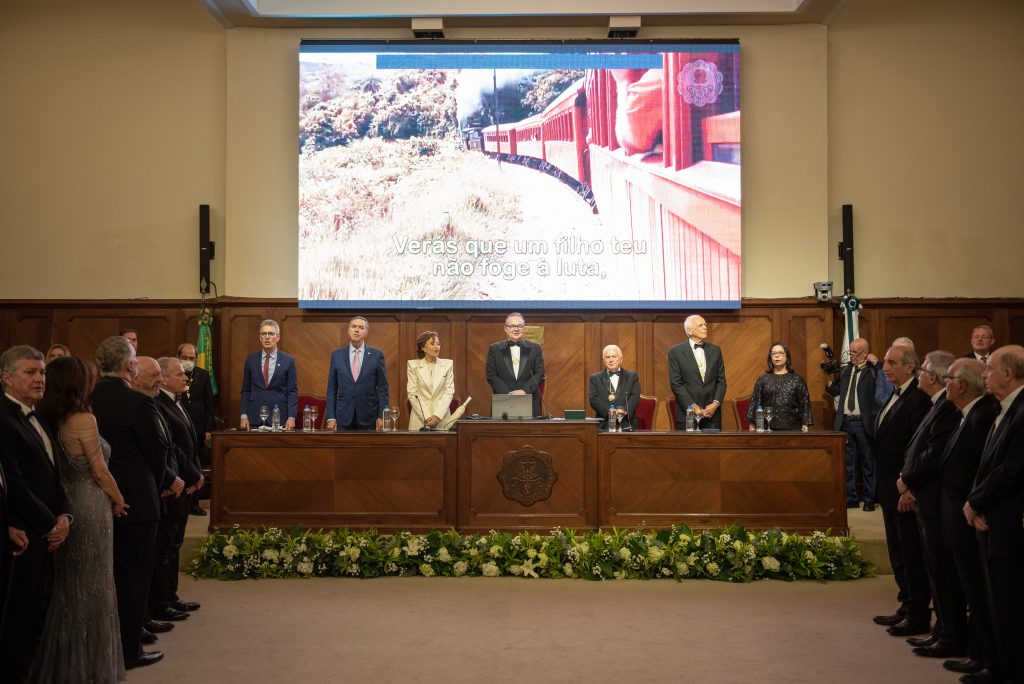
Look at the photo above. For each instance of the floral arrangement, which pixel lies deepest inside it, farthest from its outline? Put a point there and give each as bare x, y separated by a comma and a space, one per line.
731, 555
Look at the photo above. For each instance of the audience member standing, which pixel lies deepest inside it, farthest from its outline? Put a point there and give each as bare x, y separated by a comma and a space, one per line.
130, 423
855, 415
36, 503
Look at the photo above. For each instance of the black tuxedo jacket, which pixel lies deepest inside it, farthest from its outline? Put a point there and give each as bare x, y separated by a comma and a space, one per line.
921, 465
892, 436
198, 400
503, 380
958, 466
184, 448
35, 495
139, 447
865, 395
998, 491
628, 393
687, 386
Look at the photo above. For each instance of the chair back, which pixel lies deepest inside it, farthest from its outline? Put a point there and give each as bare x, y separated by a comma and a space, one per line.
740, 406
646, 410
321, 409
671, 404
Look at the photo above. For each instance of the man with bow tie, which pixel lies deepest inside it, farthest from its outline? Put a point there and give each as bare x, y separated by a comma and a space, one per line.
514, 365
614, 386
696, 372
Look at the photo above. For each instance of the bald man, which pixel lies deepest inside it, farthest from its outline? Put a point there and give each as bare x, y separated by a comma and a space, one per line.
696, 373
614, 386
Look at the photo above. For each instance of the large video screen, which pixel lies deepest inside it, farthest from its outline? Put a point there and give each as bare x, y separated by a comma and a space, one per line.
596, 175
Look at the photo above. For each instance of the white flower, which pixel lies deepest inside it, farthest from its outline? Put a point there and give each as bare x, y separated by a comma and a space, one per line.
770, 563
473, 553
495, 551
305, 567
624, 554
655, 553
413, 546
738, 545
585, 548
443, 555
460, 568
390, 568
528, 569
567, 569
230, 551
395, 552
666, 572
270, 555
712, 569
300, 548
490, 569
619, 574
426, 570
596, 569
725, 538
809, 556
531, 553
516, 570
684, 539
353, 569
683, 569
353, 553
542, 560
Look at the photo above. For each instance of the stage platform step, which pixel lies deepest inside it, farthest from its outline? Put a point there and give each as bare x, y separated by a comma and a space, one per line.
866, 527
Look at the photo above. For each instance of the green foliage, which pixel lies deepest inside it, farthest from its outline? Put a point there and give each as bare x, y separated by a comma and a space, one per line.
730, 555
545, 87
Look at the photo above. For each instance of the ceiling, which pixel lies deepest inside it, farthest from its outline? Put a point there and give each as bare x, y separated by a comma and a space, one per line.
472, 14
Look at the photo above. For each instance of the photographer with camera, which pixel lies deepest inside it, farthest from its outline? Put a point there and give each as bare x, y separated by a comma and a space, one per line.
855, 415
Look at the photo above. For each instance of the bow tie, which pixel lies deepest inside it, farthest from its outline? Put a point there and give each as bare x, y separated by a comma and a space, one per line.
896, 393
613, 374
514, 344
30, 415
699, 345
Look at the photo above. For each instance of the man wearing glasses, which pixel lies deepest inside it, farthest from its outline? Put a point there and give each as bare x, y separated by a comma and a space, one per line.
515, 365
269, 378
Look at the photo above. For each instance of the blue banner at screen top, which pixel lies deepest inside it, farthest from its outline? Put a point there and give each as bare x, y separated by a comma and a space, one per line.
506, 47
557, 60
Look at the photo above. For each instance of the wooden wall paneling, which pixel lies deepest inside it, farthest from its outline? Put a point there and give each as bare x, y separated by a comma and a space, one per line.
240, 328
565, 364
482, 330
30, 326
805, 330
932, 329
311, 337
1014, 329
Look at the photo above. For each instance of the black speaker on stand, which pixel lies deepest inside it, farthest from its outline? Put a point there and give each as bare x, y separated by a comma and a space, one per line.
206, 249
846, 249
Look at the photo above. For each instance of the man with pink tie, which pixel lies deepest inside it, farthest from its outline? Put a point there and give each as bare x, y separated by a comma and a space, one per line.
357, 383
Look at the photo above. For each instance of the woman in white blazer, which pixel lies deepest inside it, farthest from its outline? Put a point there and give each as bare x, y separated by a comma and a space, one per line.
431, 383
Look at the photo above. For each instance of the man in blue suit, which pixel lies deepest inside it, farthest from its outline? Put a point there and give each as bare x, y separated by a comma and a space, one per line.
357, 383
269, 378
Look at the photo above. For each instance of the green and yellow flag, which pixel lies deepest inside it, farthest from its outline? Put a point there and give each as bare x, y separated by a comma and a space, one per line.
204, 346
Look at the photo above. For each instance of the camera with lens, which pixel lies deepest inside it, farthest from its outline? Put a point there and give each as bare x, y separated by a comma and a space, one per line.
830, 365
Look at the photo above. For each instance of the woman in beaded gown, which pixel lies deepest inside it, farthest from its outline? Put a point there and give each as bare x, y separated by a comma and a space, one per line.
784, 390
81, 637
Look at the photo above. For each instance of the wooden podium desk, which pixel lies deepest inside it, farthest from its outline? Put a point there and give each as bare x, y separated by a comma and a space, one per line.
528, 475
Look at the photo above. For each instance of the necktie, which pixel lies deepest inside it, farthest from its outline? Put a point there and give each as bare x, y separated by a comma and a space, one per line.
355, 365
266, 370
896, 392
851, 391
984, 358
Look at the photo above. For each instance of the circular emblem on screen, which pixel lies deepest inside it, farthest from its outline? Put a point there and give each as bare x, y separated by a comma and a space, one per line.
527, 476
700, 83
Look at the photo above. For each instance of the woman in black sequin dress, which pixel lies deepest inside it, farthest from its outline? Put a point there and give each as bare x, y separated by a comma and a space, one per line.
784, 390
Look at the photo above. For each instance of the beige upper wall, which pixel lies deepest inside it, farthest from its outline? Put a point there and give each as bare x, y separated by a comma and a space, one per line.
926, 143
120, 117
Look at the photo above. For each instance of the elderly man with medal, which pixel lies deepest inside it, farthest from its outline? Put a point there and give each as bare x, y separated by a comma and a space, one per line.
615, 391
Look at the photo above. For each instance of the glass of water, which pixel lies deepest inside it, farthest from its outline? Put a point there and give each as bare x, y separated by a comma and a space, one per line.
264, 414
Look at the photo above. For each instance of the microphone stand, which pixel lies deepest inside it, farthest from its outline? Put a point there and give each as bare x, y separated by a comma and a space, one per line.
423, 413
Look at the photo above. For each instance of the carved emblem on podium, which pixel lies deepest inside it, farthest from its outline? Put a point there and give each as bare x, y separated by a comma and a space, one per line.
527, 476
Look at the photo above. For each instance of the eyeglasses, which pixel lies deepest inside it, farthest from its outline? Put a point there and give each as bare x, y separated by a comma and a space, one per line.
268, 334
778, 353
514, 327
951, 378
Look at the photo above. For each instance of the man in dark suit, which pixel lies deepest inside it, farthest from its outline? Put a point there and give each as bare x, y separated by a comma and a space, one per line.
855, 415
357, 383
614, 386
995, 507
36, 503
165, 603
696, 372
896, 424
268, 379
921, 492
958, 465
516, 365
130, 422
198, 401
983, 341
13, 542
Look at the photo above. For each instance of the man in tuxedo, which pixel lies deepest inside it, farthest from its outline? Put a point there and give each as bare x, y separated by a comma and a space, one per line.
268, 379
357, 383
198, 401
614, 386
139, 452
36, 503
995, 508
516, 365
983, 340
921, 492
896, 424
958, 464
696, 372
13, 542
855, 415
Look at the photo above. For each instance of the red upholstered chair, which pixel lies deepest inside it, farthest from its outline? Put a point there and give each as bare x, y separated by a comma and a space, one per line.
740, 406
321, 409
671, 404
646, 410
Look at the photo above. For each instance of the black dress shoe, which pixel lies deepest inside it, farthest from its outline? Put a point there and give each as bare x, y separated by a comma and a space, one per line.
964, 666
148, 638
184, 606
145, 658
940, 649
197, 510
889, 620
868, 506
918, 641
980, 677
907, 627
168, 613
158, 627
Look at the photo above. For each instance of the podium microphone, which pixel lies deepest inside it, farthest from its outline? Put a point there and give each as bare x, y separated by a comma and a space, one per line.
422, 413
544, 413
629, 423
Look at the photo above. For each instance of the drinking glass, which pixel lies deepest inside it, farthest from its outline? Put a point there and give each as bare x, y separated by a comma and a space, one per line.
394, 417
769, 413
697, 416
264, 414
312, 414
612, 418
618, 419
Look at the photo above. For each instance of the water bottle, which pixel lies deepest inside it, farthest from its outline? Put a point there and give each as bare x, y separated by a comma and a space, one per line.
387, 419
759, 419
691, 424
611, 419
307, 419
275, 420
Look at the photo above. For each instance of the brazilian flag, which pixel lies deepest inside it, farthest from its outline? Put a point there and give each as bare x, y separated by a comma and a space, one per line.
204, 347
